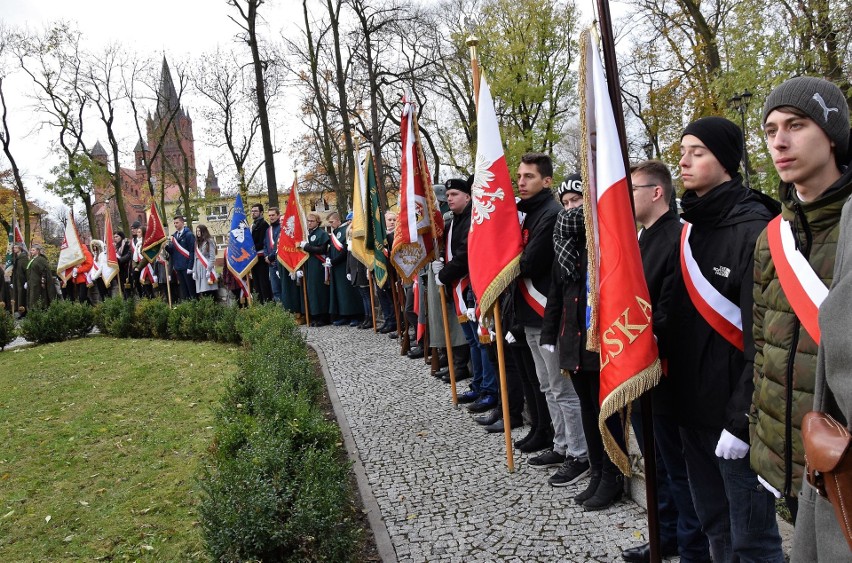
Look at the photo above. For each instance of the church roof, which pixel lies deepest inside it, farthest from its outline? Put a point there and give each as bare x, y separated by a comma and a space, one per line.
210, 173
167, 97
141, 145
98, 150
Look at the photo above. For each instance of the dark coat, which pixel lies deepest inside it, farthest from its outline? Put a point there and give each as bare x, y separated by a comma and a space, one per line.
537, 256
457, 268
19, 278
40, 287
187, 241
318, 294
713, 379
344, 297
258, 234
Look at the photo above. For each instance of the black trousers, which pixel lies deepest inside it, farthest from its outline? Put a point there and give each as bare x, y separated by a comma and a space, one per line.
260, 280
533, 397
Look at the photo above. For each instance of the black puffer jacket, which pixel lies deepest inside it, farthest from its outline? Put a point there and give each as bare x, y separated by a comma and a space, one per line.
713, 378
537, 257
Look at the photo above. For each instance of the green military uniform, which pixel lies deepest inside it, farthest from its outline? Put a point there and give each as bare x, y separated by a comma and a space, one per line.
40, 287
345, 301
19, 278
318, 294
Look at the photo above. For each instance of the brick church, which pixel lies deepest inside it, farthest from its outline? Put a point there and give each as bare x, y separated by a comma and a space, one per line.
173, 165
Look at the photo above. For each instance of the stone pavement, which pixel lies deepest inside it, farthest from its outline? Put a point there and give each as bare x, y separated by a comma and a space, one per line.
441, 481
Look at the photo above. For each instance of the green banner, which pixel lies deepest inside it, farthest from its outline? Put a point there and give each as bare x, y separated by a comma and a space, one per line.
376, 231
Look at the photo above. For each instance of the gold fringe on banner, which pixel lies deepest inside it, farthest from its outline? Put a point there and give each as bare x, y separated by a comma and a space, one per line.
500, 282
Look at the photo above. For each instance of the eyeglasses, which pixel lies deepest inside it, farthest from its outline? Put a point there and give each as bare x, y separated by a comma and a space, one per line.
637, 186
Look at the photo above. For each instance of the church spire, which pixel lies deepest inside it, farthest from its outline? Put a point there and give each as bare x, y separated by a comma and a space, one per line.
167, 97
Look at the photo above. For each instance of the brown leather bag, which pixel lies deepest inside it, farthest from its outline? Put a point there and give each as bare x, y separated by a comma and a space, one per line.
828, 464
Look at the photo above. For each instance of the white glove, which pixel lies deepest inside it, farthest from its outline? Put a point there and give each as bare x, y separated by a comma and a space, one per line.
191, 274
349, 277
25, 285
74, 273
510, 338
549, 347
471, 314
769, 487
438, 282
300, 274
292, 276
437, 266
303, 243
730, 447
328, 262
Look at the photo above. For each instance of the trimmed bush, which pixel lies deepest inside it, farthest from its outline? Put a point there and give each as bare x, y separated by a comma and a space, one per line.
7, 328
151, 319
60, 321
115, 317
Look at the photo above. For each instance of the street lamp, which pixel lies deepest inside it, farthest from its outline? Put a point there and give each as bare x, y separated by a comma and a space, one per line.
740, 103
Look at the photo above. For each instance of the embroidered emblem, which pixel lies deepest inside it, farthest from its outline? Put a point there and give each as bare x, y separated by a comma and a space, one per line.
483, 201
723, 271
825, 109
290, 227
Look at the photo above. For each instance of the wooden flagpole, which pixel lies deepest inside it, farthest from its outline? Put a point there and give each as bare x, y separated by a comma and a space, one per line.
650, 457
305, 293
372, 299
472, 43
168, 283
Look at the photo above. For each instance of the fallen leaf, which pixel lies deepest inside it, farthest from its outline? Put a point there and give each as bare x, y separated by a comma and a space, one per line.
148, 548
7, 514
84, 503
47, 518
68, 538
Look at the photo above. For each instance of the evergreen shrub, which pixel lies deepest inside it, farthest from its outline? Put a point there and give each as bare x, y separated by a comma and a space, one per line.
7, 328
60, 321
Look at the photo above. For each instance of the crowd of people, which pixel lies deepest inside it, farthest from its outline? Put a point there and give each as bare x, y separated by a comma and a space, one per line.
744, 358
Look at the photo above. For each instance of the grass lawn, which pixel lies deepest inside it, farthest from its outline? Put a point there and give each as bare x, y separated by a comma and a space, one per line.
100, 442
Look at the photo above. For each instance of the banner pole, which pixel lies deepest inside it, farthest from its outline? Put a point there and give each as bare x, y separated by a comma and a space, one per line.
305, 294
449, 344
372, 299
504, 388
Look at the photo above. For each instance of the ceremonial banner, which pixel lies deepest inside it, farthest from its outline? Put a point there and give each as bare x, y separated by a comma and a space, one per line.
71, 252
358, 226
420, 222
376, 234
620, 325
15, 236
241, 255
293, 231
494, 243
111, 268
155, 235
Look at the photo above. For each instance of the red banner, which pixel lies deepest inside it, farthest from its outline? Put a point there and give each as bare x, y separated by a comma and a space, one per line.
293, 231
494, 243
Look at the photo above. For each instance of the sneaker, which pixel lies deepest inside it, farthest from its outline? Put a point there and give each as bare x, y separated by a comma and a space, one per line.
571, 471
468, 396
547, 459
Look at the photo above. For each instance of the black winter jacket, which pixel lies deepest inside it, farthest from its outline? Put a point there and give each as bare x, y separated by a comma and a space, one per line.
258, 233
457, 268
713, 379
537, 257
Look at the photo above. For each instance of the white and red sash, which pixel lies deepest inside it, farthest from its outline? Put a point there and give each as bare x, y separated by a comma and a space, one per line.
183, 252
534, 298
147, 275
802, 286
721, 313
137, 250
338, 246
211, 273
459, 287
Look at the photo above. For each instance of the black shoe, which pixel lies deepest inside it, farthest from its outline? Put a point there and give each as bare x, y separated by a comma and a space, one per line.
571, 471
499, 427
461, 375
519, 443
415, 353
353, 323
483, 403
547, 459
340, 322
540, 441
467, 397
368, 323
488, 418
442, 360
609, 491
589, 492
393, 335
387, 329
642, 553
443, 372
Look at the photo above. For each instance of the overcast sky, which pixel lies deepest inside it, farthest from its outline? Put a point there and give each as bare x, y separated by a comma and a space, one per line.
178, 29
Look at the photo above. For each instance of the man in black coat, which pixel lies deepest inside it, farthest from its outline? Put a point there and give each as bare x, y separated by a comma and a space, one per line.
680, 530
709, 344
260, 270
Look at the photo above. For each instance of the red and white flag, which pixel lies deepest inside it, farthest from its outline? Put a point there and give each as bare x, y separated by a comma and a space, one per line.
293, 231
71, 251
420, 222
494, 243
111, 268
620, 321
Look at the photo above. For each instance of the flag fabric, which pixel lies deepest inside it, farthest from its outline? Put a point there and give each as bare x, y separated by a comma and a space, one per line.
420, 222
494, 244
620, 316
376, 233
111, 268
71, 252
241, 255
358, 226
9, 247
293, 231
15, 236
155, 235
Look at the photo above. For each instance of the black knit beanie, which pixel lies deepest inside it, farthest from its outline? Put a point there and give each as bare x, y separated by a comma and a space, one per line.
573, 184
820, 100
722, 137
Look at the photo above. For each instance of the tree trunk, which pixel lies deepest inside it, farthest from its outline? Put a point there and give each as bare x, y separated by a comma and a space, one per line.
344, 102
262, 110
6, 139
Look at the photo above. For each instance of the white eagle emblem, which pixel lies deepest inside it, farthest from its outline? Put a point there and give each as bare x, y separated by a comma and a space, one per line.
290, 227
240, 232
483, 201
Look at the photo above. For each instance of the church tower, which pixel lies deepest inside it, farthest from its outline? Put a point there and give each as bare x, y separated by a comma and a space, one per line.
171, 124
211, 183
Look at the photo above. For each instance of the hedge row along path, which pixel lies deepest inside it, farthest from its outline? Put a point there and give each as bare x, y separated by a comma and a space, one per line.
441, 482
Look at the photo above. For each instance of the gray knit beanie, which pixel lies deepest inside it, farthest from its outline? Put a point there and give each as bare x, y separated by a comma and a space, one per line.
820, 100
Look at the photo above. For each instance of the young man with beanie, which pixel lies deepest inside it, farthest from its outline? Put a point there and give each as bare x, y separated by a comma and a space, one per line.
535, 176
806, 122
454, 275
659, 237
709, 343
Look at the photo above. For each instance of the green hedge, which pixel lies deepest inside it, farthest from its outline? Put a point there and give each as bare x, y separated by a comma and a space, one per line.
60, 321
275, 485
7, 328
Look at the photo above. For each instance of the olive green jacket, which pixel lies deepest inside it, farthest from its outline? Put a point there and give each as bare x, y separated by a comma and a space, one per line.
785, 359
